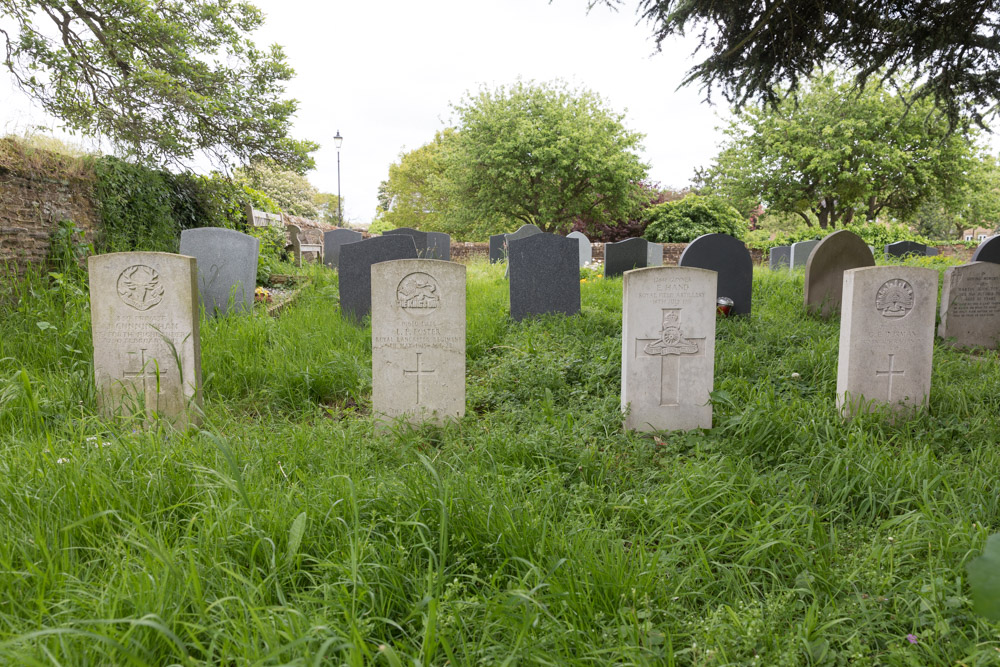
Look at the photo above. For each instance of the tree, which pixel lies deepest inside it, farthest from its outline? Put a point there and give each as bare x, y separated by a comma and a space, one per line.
415, 194
686, 219
832, 154
542, 154
292, 192
163, 81
975, 204
949, 50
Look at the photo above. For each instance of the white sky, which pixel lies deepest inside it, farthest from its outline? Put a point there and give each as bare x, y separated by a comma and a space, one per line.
383, 72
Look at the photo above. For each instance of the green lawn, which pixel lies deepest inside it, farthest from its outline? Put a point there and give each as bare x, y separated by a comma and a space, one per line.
534, 531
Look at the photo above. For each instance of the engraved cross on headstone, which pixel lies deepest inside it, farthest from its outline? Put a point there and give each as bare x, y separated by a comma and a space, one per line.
147, 369
890, 373
670, 347
419, 372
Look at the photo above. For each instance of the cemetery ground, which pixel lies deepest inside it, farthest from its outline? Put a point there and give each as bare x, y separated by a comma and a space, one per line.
535, 530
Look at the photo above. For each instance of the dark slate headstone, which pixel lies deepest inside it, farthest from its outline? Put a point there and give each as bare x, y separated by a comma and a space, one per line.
779, 257
497, 248
419, 238
227, 267
356, 261
835, 254
438, 246
332, 242
731, 260
901, 248
624, 256
523, 231
544, 276
988, 251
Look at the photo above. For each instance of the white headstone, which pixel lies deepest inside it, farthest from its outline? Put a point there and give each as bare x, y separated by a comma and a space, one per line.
418, 340
970, 305
800, 253
586, 250
886, 338
144, 319
668, 348
654, 254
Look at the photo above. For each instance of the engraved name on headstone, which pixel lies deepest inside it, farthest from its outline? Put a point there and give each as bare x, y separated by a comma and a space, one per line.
970, 305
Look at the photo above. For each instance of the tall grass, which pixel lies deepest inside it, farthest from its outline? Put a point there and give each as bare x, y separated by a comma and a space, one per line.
289, 531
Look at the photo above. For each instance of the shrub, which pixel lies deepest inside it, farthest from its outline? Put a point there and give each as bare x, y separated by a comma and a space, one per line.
687, 219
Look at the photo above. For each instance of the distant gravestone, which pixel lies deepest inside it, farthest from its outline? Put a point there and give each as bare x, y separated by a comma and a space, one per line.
779, 257
144, 320
333, 240
356, 260
728, 257
497, 248
624, 256
988, 250
668, 348
886, 338
654, 254
799, 254
419, 238
522, 232
418, 340
227, 267
932, 251
824, 284
970, 305
903, 248
439, 246
544, 276
586, 251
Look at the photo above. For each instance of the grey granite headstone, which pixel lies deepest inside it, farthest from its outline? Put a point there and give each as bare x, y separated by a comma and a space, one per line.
524, 231
988, 250
799, 255
902, 248
838, 252
970, 305
624, 256
779, 257
654, 254
333, 240
544, 275
731, 260
586, 250
497, 248
144, 320
438, 246
227, 267
355, 271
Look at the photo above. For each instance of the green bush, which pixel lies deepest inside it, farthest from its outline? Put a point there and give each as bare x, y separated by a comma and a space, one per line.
875, 234
687, 219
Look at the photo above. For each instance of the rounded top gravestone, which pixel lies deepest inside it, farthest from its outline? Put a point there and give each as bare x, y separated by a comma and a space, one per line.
988, 250
824, 285
625, 255
227, 267
903, 248
333, 240
728, 257
586, 252
356, 261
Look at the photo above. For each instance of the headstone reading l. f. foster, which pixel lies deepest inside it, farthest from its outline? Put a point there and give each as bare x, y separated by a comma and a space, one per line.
586, 251
418, 340
144, 320
728, 257
544, 275
838, 252
988, 250
886, 338
779, 257
668, 348
227, 267
799, 254
970, 305
356, 259
332, 242
624, 256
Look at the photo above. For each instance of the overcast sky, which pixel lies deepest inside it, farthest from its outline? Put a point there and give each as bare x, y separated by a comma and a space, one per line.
384, 72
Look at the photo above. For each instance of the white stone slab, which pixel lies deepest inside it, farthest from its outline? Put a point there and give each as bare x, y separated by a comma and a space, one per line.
970, 305
418, 340
654, 254
144, 320
668, 348
886, 338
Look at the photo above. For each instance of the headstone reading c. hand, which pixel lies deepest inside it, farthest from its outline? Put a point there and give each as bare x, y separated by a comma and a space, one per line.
728, 257
544, 275
970, 305
227, 267
355, 274
824, 282
333, 240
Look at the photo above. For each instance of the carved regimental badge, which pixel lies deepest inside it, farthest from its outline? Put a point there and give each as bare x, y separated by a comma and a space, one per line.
671, 340
418, 294
139, 287
894, 298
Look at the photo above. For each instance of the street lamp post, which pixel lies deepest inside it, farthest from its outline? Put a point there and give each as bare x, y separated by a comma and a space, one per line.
338, 141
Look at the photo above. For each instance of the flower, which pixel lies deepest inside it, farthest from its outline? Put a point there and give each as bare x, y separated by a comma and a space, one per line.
583, 280
911, 638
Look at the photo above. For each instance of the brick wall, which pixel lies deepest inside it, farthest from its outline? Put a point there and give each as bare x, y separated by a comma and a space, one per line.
465, 252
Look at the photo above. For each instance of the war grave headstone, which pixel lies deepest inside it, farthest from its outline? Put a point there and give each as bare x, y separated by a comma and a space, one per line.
728, 257
886, 339
144, 322
522, 232
544, 275
356, 260
779, 257
668, 348
988, 250
970, 305
902, 248
497, 248
838, 252
654, 254
798, 256
227, 267
624, 256
418, 340
586, 250
333, 240
439, 246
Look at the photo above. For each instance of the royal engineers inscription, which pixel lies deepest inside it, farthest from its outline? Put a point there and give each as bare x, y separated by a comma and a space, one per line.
144, 321
970, 305
668, 348
418, 340
886, 338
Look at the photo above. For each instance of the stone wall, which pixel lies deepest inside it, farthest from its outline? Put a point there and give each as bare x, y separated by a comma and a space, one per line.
466, 252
